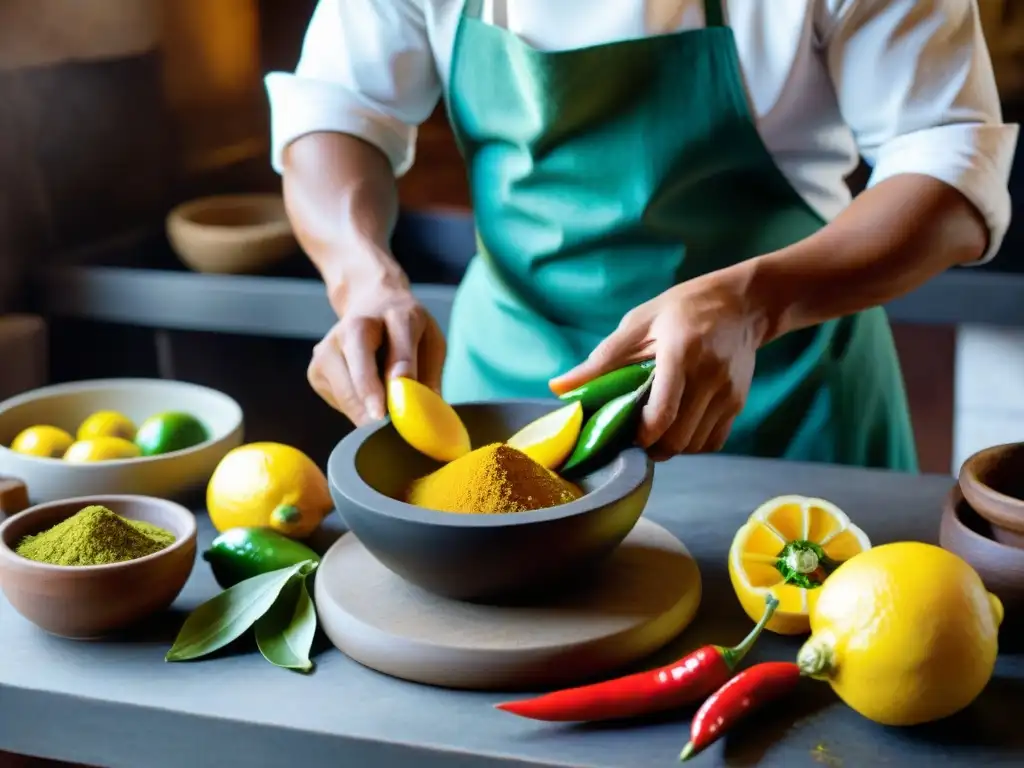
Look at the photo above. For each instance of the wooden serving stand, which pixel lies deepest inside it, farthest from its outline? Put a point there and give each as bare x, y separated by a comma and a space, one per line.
642, 597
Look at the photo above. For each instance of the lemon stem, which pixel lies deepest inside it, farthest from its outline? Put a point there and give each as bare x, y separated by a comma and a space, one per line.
733, 656
815, 659
286, 514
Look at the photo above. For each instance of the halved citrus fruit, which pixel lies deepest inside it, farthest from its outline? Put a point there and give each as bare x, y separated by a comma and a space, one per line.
550, 439
788, 547
425, 421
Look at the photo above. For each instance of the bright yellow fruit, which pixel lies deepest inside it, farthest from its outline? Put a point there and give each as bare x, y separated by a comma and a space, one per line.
268, 485
107, 424
43, 440
550, 439
905, 633
101, 449
425, 421
787, 548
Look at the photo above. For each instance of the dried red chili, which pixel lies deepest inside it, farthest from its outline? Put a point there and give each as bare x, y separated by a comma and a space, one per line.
683, 682
748, 691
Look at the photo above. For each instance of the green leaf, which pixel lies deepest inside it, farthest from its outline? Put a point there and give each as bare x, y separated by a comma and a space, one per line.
285, 633
227, 616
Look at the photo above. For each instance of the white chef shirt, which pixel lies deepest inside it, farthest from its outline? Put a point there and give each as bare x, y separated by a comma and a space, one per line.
907, 84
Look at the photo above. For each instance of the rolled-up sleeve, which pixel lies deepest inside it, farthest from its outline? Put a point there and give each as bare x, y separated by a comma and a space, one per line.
914, 82
367, 70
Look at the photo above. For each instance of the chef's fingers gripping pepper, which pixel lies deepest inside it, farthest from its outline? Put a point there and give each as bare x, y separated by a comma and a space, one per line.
612, 425
608, 386
241, 553
675, 685
747, 692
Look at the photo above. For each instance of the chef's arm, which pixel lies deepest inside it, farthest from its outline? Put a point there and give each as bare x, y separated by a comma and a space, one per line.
914, 82
343, 128
892, 239
342, 200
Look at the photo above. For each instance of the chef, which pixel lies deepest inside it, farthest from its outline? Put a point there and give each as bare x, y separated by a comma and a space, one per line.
653, 178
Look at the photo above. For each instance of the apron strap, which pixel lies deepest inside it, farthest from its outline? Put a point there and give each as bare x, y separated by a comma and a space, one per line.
473, 8
714, 14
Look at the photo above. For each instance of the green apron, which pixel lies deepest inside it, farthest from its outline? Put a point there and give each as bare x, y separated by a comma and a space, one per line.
603, 176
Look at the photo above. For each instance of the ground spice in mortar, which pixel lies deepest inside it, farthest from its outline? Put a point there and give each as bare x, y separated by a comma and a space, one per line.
494, 479
95, 536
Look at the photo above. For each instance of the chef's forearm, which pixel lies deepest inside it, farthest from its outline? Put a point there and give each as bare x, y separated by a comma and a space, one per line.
342, 200
893, 238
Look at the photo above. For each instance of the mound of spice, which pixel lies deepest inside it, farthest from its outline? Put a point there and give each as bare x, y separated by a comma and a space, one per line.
494, 479
95, 536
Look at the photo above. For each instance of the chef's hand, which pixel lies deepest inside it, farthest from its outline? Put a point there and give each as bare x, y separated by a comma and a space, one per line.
703, 335
344, 369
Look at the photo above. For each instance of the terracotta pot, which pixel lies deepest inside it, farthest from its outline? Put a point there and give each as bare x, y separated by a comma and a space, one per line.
992, 481
968, 535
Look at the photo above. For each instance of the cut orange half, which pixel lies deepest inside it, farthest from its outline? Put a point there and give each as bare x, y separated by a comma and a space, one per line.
550, 439
788, 547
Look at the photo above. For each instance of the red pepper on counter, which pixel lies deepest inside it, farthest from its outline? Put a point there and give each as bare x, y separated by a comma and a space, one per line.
749, 690
683, 682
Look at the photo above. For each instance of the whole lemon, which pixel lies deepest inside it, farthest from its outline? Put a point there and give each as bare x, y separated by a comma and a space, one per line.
905, 633
101, 449
268, 485
107, 424
43, 440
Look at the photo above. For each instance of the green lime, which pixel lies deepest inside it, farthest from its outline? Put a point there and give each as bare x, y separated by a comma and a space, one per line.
241, 553
171, 431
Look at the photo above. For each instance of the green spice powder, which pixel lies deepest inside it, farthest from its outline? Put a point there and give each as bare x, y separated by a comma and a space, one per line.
95, 536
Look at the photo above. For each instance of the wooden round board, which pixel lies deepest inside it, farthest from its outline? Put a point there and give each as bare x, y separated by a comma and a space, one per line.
640, 599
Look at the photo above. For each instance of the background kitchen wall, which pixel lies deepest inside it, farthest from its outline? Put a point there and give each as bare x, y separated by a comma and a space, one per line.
116, 109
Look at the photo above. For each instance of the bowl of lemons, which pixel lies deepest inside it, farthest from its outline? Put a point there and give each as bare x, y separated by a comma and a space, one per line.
149, 437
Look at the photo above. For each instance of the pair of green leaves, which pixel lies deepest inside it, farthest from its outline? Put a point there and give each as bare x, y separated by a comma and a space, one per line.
277, 605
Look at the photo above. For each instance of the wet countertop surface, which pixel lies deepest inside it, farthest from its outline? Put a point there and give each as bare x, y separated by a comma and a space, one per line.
117, 703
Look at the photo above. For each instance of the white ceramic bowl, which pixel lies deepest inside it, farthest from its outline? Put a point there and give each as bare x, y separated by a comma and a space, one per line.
231, 234
168, 476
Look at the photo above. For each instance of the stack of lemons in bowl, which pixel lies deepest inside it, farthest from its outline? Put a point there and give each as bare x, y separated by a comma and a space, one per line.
109, 435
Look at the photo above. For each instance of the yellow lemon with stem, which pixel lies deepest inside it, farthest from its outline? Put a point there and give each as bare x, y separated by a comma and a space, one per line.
905, 633
42, 440
787, 548
106, 424
425, 421
101, 449
550, 439
268, 485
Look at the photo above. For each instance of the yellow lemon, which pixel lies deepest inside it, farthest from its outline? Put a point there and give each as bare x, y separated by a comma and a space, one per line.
43, 440
268, 485
101, 449
787, 548
550, 439
107, 424
905, 634
425, 421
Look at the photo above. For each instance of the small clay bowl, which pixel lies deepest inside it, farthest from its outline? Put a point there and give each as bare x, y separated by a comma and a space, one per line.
88, 602
965, 533
993, 484
231, 234
481, 556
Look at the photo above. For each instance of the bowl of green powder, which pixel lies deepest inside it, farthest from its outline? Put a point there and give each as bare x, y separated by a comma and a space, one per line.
90, 567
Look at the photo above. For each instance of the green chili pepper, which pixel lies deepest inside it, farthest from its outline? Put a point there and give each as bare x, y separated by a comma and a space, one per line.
241, 553
608, 429
598, 392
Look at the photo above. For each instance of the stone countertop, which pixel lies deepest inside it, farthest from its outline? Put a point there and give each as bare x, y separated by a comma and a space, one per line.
117, 703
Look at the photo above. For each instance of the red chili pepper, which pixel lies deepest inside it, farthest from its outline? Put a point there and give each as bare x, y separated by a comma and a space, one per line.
683, 682
749, 690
